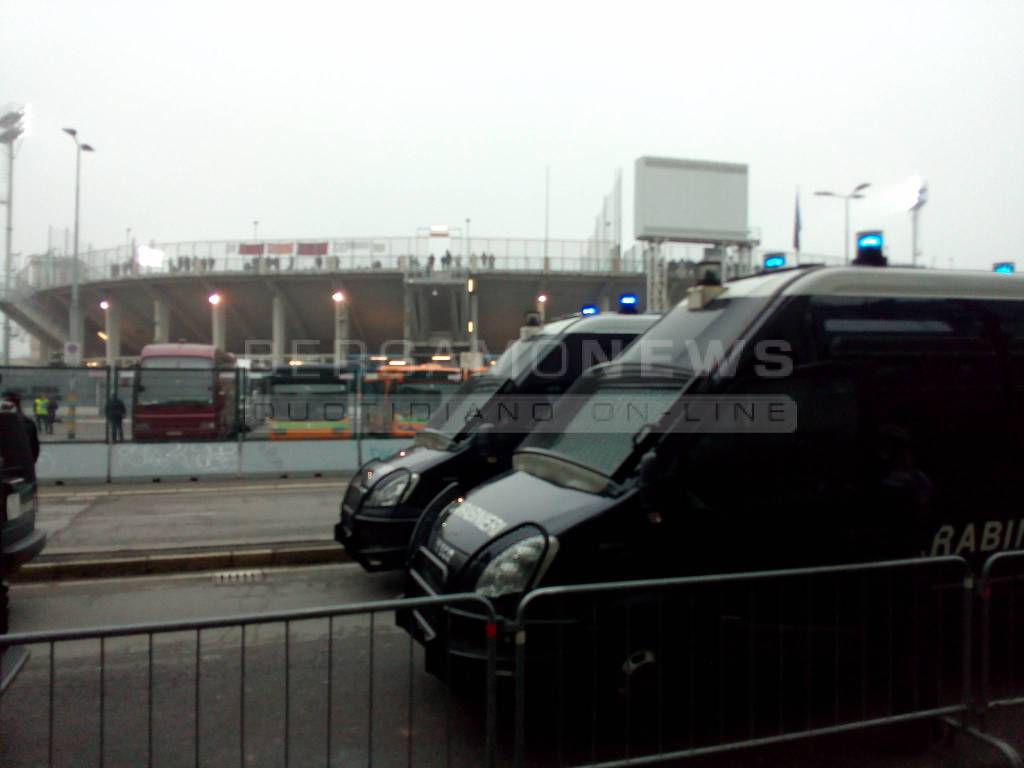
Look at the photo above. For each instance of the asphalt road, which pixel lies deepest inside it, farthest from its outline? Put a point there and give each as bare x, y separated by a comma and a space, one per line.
442, 730
126, 519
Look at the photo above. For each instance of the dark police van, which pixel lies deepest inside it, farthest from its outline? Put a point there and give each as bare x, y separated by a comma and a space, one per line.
452, 454
802, 417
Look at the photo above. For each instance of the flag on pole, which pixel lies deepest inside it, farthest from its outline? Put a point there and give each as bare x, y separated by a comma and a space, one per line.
796, 226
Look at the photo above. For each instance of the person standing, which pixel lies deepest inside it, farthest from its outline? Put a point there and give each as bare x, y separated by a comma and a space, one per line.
115, 415
51, 414
39, 411
11, 401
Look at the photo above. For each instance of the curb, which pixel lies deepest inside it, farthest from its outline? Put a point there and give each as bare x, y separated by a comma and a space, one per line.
151, 565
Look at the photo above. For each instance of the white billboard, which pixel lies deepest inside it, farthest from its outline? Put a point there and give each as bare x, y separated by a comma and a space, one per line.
690, 201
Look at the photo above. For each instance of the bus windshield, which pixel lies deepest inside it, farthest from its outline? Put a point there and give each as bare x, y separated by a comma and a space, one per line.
422, 392
175, 380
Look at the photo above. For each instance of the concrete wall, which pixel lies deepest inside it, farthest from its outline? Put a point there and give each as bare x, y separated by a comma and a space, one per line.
141, 462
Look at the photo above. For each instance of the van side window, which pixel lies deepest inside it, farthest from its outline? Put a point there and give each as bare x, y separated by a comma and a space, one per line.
902, 428
937, 444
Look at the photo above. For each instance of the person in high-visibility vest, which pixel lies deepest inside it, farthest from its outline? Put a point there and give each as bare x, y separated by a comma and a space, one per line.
40, 412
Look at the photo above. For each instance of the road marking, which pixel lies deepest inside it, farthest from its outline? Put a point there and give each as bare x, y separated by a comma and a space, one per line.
238, 577
130, 581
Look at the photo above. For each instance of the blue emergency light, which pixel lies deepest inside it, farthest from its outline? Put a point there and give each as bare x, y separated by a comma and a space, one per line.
1004, 267
774, 260
628, 300
588, 310
870, 249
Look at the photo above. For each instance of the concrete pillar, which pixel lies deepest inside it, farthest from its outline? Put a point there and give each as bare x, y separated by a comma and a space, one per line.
277, 330
76, 328
161, 321
341, 329
113, 313
474, 323
218, 325
408, 310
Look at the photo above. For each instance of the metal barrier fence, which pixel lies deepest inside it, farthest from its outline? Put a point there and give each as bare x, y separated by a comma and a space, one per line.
332, 686
694, 666
1001, 590
77, 404
626, 673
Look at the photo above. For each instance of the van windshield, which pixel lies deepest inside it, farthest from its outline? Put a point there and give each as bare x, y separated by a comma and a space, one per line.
456, 418
602, 414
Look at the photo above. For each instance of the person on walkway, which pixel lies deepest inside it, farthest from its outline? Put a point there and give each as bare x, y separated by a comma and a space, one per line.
51, 414
115, 415
40, 412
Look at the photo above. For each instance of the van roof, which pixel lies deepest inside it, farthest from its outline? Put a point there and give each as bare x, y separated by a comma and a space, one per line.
608, 323
911, 283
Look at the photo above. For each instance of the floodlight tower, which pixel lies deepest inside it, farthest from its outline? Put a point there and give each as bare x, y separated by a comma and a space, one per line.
12, 125
75, 329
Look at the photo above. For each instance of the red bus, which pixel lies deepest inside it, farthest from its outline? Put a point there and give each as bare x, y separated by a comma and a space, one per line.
184, 392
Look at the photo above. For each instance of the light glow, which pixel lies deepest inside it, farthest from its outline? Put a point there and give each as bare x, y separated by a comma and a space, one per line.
102, 335
104, 305
150, 257
214, 299
542, 298
628, 300
589, 310
338, 297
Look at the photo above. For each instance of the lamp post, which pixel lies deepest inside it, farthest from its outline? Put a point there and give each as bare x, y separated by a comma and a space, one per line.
11, 127
75, 323
920, 192
854, 194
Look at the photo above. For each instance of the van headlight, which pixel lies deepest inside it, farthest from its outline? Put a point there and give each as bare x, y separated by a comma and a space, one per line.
391, 490
512, 569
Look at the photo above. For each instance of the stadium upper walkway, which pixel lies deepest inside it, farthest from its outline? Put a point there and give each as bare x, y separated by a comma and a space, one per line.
407, 255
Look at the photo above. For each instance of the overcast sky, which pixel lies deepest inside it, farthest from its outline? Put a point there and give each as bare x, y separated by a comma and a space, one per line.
378, 118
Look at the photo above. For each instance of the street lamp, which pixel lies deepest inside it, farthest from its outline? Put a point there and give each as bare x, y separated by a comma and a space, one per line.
337, 297
919, 190
855, 194
12, 125
74, 331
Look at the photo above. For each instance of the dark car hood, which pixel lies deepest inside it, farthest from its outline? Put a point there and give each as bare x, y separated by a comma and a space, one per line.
494, 508
414, 459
